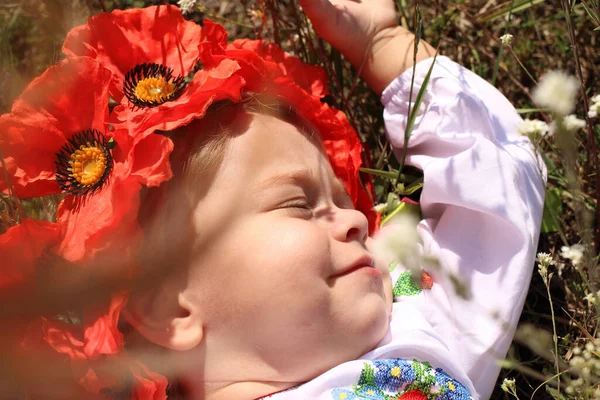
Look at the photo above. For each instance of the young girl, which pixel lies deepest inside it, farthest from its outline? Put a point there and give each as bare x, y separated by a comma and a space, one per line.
272, 290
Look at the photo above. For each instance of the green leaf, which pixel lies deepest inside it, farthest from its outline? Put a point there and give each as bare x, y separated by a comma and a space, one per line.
531, 110
392, 201
416, 185
520, 5
552, 208
381, 173
415, 110
554, 393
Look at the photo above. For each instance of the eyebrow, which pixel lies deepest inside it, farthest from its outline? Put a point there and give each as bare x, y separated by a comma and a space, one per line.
293, 176
298, 176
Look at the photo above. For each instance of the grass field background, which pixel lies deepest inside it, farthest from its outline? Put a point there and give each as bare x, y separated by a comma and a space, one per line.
559, 322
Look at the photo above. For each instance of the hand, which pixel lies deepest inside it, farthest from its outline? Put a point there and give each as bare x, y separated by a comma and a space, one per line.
352, 26
366, 32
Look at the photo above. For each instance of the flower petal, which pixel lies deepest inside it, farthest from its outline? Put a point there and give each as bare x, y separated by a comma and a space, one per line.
151, 156
311, 78
101, 333
20, 248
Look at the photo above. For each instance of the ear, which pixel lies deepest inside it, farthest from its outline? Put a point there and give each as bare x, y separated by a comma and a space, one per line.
174, 323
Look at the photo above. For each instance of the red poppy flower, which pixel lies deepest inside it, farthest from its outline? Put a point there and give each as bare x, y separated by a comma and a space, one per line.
63, 109
103, 227
47, 373
62, 346
124, 39
162, 49
21, 247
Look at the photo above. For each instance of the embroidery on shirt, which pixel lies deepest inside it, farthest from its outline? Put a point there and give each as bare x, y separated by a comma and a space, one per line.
400, 379
406, 285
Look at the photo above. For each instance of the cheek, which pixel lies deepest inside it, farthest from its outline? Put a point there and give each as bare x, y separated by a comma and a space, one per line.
262, 261
285, 253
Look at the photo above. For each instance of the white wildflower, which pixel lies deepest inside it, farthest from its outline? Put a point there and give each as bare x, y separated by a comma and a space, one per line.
577, 363
557, 90
186, 6
591, 298
256, 16
569, 390
506, 39
573, 253
594, 107
398, 241
379, 208
544, 261
572, 123
545, 258
533, 127
589, 346
508, 385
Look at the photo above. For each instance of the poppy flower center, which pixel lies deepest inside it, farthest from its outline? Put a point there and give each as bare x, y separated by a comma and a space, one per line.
84, 163
149, 85
154, 89
88, 164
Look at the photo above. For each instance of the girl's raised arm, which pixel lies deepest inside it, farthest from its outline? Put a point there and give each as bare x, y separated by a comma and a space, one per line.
482, 205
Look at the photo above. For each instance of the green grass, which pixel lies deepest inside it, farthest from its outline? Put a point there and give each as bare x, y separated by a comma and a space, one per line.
546, 36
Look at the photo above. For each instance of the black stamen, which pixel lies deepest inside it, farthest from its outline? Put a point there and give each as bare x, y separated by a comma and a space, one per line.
144, 71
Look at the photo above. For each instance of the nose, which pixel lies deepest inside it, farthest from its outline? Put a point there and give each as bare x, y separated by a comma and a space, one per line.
350, 224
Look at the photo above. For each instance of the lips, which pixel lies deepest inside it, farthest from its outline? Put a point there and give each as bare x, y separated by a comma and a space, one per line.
363, 262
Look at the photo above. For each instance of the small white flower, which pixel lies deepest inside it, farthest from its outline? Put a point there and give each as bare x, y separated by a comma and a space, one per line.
186, 6
589, 346
573, 253
545, 258
381, 207
557, 90
533, 127
508, 385
594, 107
591, 298
506, 39
572, 123
398, 241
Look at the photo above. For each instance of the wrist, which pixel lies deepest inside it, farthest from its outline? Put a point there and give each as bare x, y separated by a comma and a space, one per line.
390, 54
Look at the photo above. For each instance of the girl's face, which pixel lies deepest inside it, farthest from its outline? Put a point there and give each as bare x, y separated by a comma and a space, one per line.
285, 286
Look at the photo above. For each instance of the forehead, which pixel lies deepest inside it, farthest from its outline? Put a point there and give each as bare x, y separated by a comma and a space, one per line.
272, 147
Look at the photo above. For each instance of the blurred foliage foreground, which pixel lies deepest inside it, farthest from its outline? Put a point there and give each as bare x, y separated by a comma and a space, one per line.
555, 353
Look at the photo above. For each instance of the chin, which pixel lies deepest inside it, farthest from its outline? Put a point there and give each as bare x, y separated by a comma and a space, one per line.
374, 324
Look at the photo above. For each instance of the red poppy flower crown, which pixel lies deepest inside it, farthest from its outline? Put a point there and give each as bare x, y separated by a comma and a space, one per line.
163, 72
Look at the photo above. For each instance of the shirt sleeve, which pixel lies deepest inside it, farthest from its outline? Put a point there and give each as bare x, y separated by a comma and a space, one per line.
482, 203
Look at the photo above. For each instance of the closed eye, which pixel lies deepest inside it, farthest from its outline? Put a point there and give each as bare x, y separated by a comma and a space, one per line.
297, 207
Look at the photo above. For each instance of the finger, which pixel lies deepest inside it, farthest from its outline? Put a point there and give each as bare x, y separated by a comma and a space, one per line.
318, 11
